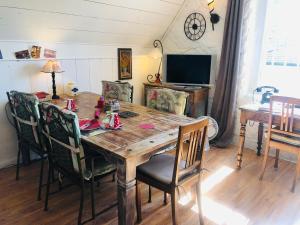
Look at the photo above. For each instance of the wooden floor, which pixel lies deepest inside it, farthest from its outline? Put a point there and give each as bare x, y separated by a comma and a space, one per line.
230, 197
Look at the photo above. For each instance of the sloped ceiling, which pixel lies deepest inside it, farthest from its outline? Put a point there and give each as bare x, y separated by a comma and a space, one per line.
127, 22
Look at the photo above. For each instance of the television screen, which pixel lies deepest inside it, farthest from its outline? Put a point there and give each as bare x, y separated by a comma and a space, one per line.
188, 69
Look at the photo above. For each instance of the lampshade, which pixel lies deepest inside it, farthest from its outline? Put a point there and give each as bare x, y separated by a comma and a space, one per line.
52, 66
156, 53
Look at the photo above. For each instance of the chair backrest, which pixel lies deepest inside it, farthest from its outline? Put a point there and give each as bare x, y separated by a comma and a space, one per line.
61, 129
122, 91
167, 100
24, 109
192, 138
282, 114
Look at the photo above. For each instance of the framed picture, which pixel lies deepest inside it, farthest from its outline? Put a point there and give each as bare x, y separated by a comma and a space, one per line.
22, 54
125, 63
48, 53
35, 52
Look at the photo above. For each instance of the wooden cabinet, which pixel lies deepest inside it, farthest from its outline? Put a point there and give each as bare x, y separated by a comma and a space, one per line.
197, 102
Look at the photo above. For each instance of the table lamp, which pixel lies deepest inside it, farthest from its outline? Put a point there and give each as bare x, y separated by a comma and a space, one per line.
52, 66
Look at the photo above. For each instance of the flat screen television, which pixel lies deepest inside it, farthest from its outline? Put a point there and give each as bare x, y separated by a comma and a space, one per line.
188, 69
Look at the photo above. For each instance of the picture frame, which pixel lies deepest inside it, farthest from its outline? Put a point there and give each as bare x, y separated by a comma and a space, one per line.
49, 53
125, 63
35, 52
22, 54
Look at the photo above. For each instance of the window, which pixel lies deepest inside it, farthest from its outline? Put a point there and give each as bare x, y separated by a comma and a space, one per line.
280, 65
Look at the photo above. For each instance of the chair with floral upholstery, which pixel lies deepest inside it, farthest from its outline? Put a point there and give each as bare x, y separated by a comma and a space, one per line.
67, 156
24, 110
117, 90
167, 100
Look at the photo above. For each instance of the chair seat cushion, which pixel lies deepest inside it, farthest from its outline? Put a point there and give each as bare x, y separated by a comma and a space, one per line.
101, 167
159, 167
286, 139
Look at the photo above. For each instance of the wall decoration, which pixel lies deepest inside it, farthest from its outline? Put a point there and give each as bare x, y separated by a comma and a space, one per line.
1, 57
22, 54
195, 26
125, 63
48, 53
35, 52
214, 17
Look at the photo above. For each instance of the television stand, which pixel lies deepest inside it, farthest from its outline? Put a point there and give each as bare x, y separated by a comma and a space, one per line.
197, 102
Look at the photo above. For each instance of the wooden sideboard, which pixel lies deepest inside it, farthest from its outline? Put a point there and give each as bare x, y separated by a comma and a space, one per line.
197, 103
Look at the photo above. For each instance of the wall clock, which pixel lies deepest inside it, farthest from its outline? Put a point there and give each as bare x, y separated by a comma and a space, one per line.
194, 26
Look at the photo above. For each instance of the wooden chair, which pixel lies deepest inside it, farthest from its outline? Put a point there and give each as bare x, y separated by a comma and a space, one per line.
281, 134
122, 91
166, 100
25, 113
67, 157
167, 172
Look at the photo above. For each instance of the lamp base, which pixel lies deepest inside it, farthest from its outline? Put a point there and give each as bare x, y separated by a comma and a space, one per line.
55, 97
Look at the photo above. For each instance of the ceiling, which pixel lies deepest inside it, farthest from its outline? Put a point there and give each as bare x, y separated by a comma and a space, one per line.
131, 22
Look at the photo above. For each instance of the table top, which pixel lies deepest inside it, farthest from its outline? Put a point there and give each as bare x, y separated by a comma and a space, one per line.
256, 107
265, 108
131, 140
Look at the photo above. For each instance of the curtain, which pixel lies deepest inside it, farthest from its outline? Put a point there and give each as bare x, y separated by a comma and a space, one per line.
225, 97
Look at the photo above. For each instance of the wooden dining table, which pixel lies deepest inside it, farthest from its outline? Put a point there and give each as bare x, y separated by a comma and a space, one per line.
129, 146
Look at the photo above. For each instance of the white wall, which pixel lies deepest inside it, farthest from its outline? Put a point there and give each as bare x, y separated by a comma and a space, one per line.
84, 64
175, 41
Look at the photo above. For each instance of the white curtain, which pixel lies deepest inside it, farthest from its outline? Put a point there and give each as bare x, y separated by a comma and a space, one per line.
253, 26
251, 50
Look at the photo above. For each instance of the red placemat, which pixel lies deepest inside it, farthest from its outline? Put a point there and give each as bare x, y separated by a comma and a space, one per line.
88, 124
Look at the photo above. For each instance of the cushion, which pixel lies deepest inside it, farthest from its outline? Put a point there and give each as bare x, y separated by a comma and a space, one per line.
151, 95
159, 167
116, 90
25, 107
286, 139
171, 101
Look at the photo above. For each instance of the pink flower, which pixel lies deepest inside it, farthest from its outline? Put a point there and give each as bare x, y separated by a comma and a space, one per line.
153, 95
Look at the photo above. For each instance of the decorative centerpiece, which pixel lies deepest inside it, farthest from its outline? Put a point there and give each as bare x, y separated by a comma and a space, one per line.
112, 105
111, 121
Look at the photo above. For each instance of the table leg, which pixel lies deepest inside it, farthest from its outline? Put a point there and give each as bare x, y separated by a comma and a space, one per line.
241, 145
260, 137
126, 193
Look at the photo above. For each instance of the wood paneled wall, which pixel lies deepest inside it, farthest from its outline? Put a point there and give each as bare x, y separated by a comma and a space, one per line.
87, 21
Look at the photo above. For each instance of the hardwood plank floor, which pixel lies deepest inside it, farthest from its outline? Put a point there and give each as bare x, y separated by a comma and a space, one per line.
229, 196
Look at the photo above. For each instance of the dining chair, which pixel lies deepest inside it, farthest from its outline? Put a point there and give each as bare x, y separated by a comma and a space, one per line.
281, 133
67, 157
168, 172
25, 113
166, 100
122, 91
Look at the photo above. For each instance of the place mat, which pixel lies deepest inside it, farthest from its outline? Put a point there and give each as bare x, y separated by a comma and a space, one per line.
89, 125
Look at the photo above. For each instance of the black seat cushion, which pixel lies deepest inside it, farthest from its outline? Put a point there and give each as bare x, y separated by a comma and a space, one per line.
160, 168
